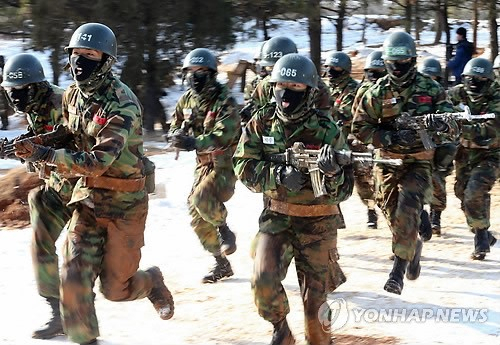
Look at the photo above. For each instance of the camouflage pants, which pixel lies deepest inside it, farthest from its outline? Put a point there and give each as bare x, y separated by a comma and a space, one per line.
401, 195
476, 173
106, 248
211, 188
438, 202
48, 215
313, 241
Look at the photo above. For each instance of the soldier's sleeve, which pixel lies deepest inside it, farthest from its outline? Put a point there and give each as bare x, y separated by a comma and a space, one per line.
443, 105
110, 141
365, 120
323, 99
178, 115
340, 186
226, 129
249, 162
486, 130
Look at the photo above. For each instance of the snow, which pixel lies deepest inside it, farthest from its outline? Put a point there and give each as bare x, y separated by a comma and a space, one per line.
224, 313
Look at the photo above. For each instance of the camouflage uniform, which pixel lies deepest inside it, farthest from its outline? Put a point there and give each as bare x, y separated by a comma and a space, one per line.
342, 93
477, 161
216, 125
4, 114
313, 238
401, 191
106, 231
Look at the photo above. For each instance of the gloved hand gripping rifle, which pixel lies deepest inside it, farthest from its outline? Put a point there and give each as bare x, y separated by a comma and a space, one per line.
421, 125
301, 158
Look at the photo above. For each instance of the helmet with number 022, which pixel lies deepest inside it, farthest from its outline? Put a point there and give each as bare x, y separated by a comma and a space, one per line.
275, 48
200, 57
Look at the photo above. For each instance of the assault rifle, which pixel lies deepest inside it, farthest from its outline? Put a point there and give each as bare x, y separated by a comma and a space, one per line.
57, 138
420, 125
300, 157
184, 129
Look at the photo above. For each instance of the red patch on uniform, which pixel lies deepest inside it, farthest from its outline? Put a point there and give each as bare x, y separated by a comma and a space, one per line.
48, 128
211, 114
337, 101
99, 120
313, 147
424, 99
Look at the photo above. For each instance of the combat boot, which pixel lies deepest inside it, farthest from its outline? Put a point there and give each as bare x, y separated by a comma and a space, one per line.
425, 229
481, 245
227, 240
160, 296
413, 271
372, 219
53, 328
492, 239
282, 334
222, 269
395, 282
92, 342
436, 222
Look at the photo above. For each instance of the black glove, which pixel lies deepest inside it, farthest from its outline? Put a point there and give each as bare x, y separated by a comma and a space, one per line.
404, 137
434, 123
327, 162
183, 142
31, 152
290, 177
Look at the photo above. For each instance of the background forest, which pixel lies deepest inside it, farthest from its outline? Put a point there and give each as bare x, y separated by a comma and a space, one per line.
154, 36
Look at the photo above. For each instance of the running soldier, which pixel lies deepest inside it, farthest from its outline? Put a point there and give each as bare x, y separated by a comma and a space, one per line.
206, 120
478, 157
29, 92
403, 190
293, 216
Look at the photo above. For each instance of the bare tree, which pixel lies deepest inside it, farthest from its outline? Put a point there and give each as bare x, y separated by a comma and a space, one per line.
314, 28
492, 19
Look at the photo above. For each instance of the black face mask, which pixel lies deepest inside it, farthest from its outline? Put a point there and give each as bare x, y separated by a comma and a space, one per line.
198, 80
82, 67
399, 69
374, 75
19, 97
293, 98
475, 86
334, 74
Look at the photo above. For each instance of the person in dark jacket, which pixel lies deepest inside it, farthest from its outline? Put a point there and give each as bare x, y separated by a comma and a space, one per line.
463, 53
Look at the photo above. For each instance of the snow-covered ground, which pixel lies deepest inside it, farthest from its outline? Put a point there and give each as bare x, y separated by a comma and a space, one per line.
455, 300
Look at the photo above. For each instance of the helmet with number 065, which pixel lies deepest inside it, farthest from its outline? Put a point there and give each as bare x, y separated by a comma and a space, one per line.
295, 68
275, 48
95, 36
200, 57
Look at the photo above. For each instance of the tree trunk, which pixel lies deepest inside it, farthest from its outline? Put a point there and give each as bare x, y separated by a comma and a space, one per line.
408, 16
448, 41
475, 13
492, 14
365, 13
417, 21
340, 24
315, 32
439, 25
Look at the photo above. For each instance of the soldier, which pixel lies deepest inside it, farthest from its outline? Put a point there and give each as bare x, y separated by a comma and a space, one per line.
478, 154
342, 88
403, 190
29, 92
443, 156
496, 70
4, 115
363, 173
106, 231
292, 215
206, 120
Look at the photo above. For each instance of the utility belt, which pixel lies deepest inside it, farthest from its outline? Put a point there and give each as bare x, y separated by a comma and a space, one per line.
470, 144
298, 210
115, 184
210, 157
422, 155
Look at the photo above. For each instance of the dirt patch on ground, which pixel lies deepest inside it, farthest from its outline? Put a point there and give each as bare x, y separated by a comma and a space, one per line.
15, 185
348, 339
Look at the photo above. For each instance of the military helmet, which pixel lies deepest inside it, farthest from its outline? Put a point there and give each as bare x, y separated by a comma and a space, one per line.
258, 52
275, 48
22, 69
431, 67
496, 63
95, 36
200, 57
339, 59
295, 68
399, 46
479, 67
374, 60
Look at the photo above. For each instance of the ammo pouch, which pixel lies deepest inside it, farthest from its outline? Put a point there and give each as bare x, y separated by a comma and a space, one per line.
149, 173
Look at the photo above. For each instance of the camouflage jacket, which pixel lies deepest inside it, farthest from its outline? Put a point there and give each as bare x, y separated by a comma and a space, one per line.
107, 132
263, 94
266, 134
381, 104
482, 134
214, 122
250, 88
342, 98
45, 114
